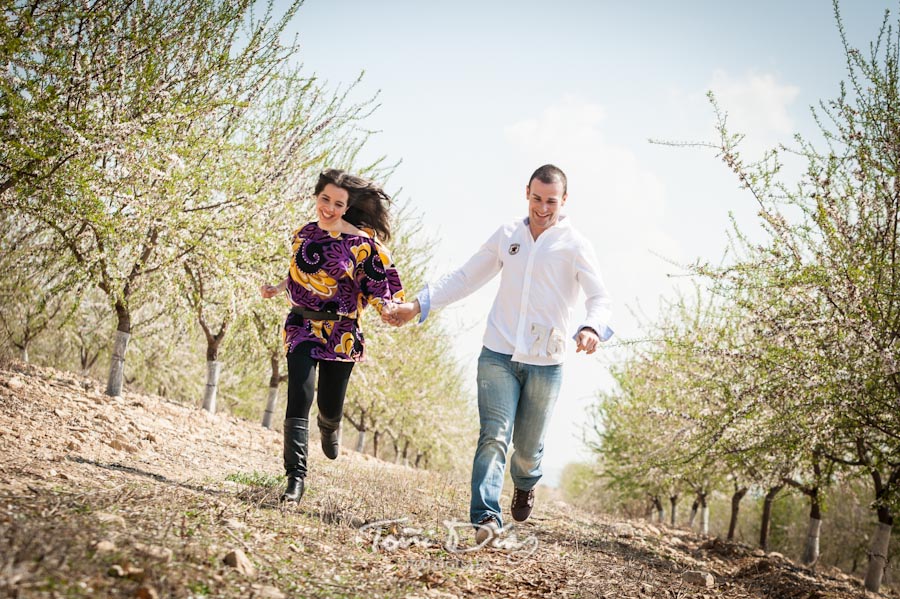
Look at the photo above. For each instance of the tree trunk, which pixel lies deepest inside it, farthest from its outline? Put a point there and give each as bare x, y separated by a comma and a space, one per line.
375, 436
213, 368
406, 452
767, 516
270, 407
25, 353
87, 360
117, 361
360, 428
657, 504
274, 381
878, 552
735, 509
704, 515
811, 548
673, 502
878, 548
694, 507
418, 459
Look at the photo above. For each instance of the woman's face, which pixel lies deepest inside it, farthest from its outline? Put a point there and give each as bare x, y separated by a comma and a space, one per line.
331, 204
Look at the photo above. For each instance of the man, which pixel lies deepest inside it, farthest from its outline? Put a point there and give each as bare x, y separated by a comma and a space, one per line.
543, 262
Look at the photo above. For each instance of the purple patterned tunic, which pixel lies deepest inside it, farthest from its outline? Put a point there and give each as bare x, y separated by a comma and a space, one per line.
342, 273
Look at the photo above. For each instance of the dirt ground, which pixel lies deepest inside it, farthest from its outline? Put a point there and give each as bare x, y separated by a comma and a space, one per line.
139, 496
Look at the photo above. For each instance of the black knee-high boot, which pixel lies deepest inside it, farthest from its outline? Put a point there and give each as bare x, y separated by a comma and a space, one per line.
296, 449
330, 432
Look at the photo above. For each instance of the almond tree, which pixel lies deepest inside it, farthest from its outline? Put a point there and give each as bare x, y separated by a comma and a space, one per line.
804, 383
38, 288
639, 428
267, 332
115, 108
85, 330
814, 488
785, 350
833, 240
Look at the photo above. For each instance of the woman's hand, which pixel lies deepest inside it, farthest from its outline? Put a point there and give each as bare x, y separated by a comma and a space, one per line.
267, 291
387, 312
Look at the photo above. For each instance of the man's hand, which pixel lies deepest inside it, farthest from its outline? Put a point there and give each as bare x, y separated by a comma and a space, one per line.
267, 291
400, 314
587, 340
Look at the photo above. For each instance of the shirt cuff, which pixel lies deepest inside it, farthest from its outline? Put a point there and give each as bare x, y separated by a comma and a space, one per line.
424, 299
604, 332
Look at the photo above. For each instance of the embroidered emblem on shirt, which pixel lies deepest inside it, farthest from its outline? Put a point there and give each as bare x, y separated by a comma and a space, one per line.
513, 249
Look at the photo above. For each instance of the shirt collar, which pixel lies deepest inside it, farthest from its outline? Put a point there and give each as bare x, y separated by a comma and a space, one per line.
562, 223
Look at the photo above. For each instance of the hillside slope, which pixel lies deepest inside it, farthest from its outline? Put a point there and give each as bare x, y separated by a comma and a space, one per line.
141, 497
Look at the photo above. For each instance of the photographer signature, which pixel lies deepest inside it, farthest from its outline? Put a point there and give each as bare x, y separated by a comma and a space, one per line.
392, 535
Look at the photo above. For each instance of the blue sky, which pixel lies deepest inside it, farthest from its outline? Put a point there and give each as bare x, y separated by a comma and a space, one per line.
475, 95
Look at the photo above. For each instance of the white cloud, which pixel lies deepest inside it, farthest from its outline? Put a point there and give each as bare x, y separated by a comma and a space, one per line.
757, 105
571, 122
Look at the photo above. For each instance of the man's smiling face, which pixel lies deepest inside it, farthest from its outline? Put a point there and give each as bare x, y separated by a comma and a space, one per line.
544, 203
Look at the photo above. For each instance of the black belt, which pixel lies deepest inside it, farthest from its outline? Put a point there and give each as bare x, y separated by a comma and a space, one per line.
313, 315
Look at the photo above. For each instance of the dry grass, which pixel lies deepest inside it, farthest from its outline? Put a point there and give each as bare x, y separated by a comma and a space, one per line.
141, 497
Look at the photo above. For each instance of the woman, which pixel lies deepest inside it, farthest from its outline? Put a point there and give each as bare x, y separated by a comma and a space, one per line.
338, 266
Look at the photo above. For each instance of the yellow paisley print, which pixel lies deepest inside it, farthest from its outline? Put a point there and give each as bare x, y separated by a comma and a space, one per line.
322, 329
377, 302
361, 252
384, 255
319, 283
346, 345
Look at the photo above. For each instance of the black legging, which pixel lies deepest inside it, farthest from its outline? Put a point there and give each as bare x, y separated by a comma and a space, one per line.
333, 378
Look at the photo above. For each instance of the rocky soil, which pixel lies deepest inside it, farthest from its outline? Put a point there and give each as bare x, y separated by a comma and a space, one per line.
138, 496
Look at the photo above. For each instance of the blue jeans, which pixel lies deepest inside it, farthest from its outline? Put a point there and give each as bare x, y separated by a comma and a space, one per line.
515, 402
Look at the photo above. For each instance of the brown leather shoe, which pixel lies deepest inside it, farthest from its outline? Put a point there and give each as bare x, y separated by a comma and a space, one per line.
487, 530
522, 502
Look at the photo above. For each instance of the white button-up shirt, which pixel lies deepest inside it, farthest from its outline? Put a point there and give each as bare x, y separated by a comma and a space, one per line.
539, 285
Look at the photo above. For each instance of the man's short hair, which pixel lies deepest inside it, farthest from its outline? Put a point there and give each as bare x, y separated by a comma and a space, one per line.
549, 173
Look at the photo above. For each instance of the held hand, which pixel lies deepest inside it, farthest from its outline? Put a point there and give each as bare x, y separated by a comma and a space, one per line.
400, 314
587, 341
387, 312
407, 311
267, 291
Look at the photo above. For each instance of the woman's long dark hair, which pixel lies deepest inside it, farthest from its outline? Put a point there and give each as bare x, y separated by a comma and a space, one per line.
367, 204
